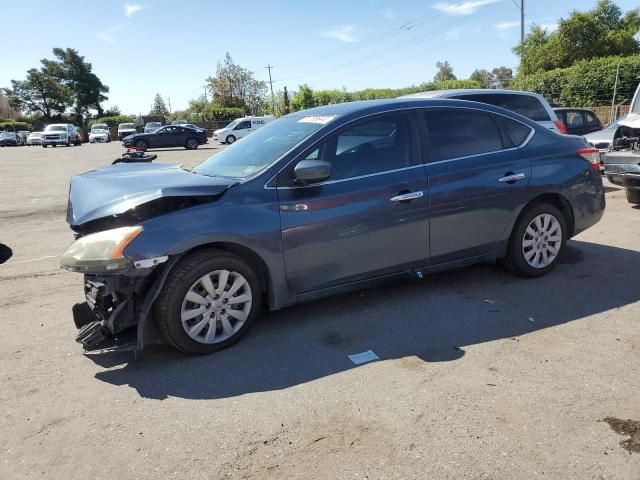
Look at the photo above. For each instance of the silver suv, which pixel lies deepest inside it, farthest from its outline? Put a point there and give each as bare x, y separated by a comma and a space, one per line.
529, 104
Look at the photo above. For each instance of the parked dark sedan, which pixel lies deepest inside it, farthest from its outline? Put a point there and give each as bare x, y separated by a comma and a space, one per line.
167, 136
11, 139
579, 121
319, 202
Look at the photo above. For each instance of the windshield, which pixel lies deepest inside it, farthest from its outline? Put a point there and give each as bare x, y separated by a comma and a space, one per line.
56, 128
233, 124
257, 151
154, 124
7, 134
127, 125
35, 134
98, 128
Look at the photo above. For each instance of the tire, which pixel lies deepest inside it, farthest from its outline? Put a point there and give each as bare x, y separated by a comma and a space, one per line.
191, 143
230, 139
141, 145
526, 250
186, 278
633, 196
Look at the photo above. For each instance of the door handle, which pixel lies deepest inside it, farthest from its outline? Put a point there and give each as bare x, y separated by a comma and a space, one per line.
512, 177
406, 197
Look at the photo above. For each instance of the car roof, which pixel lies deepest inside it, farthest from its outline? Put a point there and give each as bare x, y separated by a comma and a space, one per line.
574, 109
383, 105
468, 91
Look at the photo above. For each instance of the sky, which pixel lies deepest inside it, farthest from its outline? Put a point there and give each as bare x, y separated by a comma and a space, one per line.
140, 48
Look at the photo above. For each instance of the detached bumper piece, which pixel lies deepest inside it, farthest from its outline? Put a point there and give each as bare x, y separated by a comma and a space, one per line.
106, 318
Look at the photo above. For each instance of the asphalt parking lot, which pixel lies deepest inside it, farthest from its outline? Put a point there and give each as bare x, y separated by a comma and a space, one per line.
481, 375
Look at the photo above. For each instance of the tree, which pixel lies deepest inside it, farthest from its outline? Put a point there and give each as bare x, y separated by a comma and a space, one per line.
603, 31
159, 108
72, 70
234, 86
304, 98
39, 93
445, 72
502, 77
484, 77
113, 111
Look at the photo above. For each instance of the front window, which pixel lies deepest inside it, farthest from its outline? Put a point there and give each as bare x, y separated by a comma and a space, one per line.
256, 152
243, 125
56, 128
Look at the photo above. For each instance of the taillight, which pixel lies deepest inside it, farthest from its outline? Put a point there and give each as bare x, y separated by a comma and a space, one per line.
561, 127
591, 155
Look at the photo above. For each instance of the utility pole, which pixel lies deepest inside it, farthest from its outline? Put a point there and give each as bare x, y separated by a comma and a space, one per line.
521, 21
169, 99
613, 100
273, 99
205, 93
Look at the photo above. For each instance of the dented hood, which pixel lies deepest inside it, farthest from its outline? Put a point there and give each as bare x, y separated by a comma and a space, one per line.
632, 121
123, 187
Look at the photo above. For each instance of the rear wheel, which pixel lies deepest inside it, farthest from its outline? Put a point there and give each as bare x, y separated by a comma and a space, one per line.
191, 144
209, 301
141, 145
633, 196
537, 241
230, 139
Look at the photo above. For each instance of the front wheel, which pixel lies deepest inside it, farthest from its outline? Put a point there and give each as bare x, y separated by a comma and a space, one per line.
633, 196
230, 139
209, 301
191, 144
537, 241
141, 145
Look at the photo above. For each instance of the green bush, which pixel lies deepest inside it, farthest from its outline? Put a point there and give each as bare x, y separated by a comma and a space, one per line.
17, 126
586, 84
212, 112
112, 121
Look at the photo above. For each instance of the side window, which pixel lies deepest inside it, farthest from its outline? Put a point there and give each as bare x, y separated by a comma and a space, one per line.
515, 132
460, 133
243, 125
372, 146
591, 119
525, 105
574, 120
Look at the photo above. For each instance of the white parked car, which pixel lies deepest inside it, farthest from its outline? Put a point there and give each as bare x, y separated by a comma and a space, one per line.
100, 133
241, 127
34, 138
126, 129
528, 104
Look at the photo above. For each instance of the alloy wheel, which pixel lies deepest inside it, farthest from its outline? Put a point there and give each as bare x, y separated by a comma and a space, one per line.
216, 306
542, 241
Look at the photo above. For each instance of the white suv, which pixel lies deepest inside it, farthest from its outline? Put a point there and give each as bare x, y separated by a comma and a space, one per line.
59, 134
528, 104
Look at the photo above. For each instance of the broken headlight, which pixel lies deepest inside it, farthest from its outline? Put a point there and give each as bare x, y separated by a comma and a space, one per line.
100, 252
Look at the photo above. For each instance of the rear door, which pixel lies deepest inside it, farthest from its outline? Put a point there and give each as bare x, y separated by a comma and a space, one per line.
477, 180
369, 218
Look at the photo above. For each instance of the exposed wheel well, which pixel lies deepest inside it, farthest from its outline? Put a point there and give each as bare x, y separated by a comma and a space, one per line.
249, 256
561, 204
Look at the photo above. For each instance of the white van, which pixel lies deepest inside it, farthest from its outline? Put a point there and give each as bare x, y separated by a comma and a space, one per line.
241, 127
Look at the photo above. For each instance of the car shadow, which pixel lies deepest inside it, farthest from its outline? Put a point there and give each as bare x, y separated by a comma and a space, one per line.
432, 319
179, 149
611, 189
5, 253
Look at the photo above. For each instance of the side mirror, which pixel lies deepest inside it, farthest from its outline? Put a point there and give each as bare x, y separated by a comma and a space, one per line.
310, 171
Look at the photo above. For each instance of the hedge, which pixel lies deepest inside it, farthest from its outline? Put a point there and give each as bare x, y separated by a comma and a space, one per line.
113, 121
586, 84
14, 125
212, 113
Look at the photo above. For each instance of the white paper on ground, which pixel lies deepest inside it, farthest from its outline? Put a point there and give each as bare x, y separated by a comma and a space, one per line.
363, 357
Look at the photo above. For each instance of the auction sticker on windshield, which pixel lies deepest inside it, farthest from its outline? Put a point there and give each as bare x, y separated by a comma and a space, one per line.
321, 119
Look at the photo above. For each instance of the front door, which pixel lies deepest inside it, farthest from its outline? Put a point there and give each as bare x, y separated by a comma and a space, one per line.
242, 129
368, 218
477, 180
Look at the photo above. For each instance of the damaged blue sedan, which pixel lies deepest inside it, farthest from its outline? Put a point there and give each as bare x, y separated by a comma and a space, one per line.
320, 202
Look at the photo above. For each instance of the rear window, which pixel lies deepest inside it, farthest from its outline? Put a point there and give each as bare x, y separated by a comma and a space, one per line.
525, 105
461, 133
516, 132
